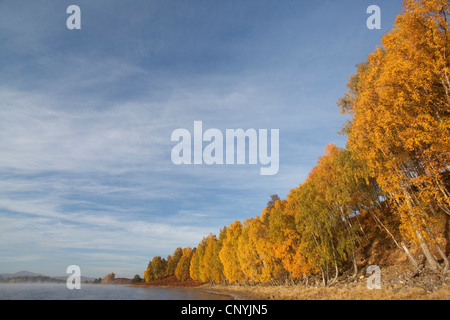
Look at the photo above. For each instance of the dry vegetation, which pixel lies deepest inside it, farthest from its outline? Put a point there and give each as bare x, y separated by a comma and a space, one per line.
382, 200
396, 284
170, 281
398, 280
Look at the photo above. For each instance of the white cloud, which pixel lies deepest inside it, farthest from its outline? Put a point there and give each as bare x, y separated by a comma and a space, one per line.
85, 144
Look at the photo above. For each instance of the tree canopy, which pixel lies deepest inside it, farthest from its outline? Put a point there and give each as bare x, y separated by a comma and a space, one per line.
397, 160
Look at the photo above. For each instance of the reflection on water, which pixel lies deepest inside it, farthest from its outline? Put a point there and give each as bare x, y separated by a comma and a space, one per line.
57, 291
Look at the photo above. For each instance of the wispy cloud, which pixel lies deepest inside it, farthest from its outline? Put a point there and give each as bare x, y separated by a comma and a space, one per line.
86, 119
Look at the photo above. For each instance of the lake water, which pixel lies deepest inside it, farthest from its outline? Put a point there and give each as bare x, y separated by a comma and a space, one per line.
57, 291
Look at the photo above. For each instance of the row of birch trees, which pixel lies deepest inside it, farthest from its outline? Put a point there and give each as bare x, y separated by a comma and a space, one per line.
397, 157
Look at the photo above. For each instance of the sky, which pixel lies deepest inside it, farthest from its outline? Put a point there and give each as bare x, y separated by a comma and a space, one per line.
86, 117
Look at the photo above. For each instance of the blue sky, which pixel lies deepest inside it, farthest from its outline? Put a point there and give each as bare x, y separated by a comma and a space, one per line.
86, 118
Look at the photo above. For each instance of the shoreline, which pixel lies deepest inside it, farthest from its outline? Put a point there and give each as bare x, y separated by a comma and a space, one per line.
299, 293
397, 283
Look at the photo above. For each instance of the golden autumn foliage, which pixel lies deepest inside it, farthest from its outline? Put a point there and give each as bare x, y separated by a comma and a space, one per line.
229, 254
398, 156
109, 278
400, 106
182, 271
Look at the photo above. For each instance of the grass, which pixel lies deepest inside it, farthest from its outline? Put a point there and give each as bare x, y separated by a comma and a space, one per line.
395, 285
358, 292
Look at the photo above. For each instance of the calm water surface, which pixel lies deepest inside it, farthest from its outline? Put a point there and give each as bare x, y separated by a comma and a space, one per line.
56, 291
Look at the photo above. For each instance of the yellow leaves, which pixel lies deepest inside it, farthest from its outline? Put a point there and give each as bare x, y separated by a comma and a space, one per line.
291, 255
229, 256
398, 149
401, 113
109, 278
182, 271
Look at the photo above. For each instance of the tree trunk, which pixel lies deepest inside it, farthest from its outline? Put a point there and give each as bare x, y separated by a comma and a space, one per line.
401, 246
305, 279
337, 274
427, 252
447, 236
324, 280
411, 258
361, 228
355, 266
423, 244
442, 254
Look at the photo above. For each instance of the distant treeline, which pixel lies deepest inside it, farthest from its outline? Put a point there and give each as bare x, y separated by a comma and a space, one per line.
397, 160
31, 279
41, 279
111, 279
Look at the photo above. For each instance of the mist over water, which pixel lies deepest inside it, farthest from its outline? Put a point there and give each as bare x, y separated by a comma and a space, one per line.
58, 291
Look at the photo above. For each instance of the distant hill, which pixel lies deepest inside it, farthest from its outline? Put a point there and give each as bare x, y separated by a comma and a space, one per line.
19, 274
30, 279
27, 276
